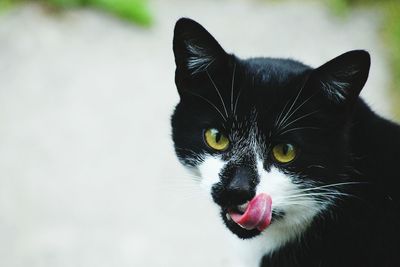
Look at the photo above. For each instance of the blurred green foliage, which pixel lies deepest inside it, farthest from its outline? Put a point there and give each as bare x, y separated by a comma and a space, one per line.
390, 33
66, 3
136, 11
339, 7
4, 5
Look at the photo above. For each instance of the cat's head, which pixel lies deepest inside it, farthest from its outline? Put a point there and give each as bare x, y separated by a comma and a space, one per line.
267, 136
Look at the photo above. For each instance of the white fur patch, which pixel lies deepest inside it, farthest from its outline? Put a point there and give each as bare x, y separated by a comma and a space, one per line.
298, 217
299, 211
209, 171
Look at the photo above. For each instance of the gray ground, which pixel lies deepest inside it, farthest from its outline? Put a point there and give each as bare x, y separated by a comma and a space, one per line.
87, 172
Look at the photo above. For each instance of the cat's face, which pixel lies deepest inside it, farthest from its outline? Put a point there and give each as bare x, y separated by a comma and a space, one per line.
266, 136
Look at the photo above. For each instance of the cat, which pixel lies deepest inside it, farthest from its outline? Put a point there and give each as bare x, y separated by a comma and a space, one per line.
304, 173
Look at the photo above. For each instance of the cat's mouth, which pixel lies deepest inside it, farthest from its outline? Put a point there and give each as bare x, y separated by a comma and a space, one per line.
249, 219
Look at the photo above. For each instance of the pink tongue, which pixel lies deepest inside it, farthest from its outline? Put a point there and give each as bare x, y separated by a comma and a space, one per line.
257, 215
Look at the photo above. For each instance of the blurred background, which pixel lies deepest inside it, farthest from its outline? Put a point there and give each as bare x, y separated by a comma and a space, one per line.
88, 176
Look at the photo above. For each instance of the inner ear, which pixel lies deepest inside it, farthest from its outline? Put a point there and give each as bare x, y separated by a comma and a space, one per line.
342, 78
195, 49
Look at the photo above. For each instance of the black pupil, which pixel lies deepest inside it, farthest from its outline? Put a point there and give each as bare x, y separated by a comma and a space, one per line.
218, 137
285, 149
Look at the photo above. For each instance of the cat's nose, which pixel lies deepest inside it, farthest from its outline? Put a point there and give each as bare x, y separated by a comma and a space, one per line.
237, 186
241, 187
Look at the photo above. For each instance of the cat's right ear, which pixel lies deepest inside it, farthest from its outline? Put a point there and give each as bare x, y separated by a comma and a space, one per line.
195, 49
342, 78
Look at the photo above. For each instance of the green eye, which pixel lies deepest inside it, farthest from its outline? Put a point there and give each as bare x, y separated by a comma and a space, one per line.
216, 140
284, 153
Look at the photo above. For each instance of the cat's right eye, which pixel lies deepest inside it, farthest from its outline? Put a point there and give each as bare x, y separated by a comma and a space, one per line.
215, 139
284, 153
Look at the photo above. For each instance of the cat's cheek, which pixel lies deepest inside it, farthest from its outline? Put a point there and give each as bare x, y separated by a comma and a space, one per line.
209, 171
298, 211
275, 183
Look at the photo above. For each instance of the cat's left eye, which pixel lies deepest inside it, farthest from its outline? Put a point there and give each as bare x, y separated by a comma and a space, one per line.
284, 153
215, 139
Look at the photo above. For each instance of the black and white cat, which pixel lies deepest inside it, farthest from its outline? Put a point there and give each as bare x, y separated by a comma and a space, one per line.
302, 170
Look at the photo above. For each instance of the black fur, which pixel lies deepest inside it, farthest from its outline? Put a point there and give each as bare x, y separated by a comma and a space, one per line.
342, 134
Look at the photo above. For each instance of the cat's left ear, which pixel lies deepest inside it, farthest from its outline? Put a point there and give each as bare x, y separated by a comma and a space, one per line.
342, 78
195, 49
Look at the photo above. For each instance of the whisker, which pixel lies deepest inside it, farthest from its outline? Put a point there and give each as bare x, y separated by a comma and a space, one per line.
277, 121
316, 166
293, 204
189, 180
318, 194
290, 109
302, 202
233, 82
294, 112
237, 100
209, 102
219, 94
337, 184
321, 195
298, 119
325, 187
299, 128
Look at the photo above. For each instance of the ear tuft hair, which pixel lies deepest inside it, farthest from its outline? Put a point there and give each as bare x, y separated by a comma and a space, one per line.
194, 48
343, 77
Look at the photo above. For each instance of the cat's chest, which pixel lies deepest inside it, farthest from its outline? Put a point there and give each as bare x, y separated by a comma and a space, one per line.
250, 252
